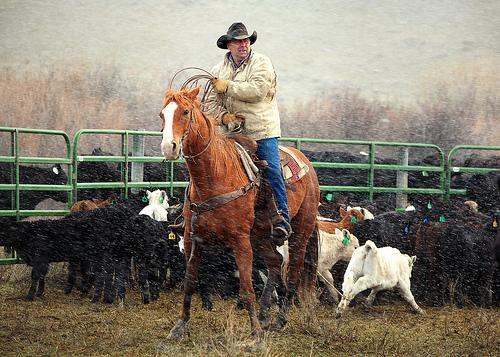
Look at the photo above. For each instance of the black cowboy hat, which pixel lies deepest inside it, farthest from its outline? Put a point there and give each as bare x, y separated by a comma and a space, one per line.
236, 31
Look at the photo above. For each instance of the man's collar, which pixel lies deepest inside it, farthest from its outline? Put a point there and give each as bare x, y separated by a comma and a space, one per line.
233, 63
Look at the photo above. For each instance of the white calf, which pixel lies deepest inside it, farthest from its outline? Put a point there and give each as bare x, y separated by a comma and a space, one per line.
377, 269
157, 207
334, 247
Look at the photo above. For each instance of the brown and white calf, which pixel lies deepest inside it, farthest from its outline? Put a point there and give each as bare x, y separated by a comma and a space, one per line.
377, 269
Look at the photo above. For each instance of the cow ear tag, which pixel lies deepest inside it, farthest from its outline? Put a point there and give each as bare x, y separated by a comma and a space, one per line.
144, 199
171, 236
354, 219
346, 239
426, 220
495, 223
329, 196
441, 218
429, 205
407, 228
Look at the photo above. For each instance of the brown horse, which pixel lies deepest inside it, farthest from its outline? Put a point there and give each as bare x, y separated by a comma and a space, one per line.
222, 204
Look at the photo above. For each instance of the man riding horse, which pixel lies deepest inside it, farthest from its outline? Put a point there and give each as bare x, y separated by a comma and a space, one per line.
247, 81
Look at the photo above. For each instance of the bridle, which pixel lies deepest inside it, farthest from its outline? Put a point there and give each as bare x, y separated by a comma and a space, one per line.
189, 128
191, 82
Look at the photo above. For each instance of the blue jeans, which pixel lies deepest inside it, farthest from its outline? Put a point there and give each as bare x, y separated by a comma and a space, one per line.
267, 149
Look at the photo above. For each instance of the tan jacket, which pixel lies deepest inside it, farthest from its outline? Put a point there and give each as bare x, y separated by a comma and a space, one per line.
252, 94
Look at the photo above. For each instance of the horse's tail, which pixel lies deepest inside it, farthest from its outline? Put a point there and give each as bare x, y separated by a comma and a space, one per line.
309, 276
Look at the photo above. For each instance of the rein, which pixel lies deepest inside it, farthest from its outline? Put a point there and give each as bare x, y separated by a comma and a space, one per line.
213, 203
217, 201
210, 134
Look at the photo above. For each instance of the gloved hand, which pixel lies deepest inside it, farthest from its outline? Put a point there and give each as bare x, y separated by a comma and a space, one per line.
220, 85
231, 118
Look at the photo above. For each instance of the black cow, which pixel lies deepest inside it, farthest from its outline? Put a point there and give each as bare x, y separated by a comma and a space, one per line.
53, 175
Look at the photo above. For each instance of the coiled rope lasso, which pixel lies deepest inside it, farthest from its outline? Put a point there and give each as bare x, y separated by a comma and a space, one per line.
207, 88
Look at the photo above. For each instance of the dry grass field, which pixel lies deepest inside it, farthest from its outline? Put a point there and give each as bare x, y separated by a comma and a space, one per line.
69, 325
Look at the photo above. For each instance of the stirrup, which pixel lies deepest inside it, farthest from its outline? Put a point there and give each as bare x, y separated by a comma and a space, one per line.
281, 232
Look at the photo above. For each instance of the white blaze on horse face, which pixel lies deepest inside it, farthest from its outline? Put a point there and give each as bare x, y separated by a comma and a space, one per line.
167, 147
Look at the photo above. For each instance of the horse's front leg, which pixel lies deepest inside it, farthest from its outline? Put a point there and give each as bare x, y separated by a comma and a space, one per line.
244, 260
180, 328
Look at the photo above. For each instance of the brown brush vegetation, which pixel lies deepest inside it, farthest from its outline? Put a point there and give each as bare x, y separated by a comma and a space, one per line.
70, 99
458, 104
61, 324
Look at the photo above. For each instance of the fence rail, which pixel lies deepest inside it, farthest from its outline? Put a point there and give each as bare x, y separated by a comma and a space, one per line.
16, 187
452, 168
444, 168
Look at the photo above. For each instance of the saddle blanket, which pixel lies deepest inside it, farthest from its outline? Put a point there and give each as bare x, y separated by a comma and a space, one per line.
292, 167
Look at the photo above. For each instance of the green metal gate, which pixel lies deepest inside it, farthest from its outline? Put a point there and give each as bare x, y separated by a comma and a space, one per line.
15, 187
124, 159
371, 166
443, 168
453, 168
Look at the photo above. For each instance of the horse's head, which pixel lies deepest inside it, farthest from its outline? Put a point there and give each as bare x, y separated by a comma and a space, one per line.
177, 118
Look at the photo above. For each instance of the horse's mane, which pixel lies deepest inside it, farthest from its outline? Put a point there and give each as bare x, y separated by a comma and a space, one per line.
222, 150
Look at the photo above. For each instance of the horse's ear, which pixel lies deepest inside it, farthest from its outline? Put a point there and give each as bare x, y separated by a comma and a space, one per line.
193, 93
342, 212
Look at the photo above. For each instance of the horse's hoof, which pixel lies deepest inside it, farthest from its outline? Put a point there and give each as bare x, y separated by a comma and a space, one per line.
256, 345
257, 333
179, 331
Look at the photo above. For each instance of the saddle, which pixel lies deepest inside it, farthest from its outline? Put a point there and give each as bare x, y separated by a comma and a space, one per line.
292, 167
